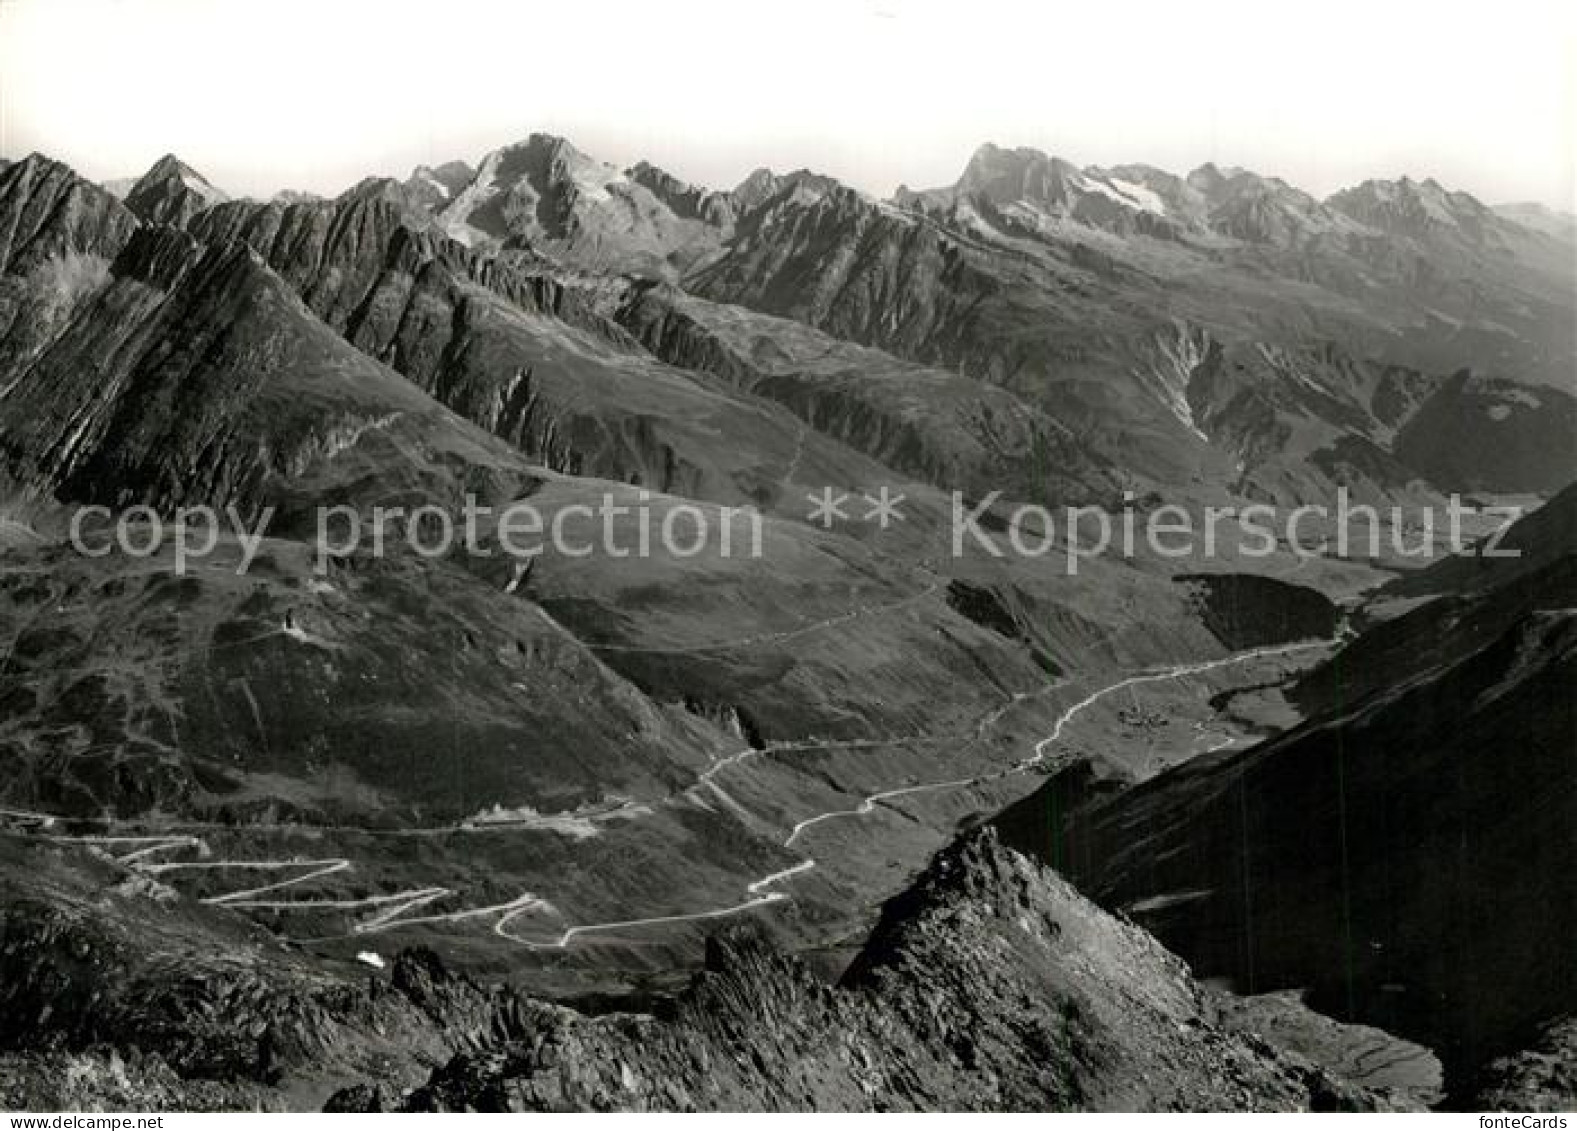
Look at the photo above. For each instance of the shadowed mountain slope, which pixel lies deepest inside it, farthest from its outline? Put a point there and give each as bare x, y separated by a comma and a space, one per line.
1386, 852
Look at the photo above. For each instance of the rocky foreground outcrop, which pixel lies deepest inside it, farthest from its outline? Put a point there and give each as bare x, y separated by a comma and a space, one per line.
990, 984
47, 211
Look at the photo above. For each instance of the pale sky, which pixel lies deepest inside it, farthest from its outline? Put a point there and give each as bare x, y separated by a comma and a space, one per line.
315, 94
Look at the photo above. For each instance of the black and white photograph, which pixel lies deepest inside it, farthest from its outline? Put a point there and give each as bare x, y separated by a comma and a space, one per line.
855, 556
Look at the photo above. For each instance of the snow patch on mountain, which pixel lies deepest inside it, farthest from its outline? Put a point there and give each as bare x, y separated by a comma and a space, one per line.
1139, 195
201, 187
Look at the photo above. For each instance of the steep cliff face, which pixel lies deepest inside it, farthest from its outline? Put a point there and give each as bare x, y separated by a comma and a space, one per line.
1051, 321
1386, 852
171, 192
47, 211
58, 234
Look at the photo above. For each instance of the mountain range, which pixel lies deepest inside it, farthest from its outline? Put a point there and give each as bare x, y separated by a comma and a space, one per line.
581, 828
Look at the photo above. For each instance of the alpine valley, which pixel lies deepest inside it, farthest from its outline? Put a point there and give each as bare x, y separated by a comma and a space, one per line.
875, 818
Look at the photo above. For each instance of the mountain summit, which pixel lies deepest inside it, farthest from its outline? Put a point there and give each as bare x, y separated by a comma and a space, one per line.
172, 192
1418, 209
1028, 188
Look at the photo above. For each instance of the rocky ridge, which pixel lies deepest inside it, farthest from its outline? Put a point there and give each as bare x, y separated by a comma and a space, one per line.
989, 985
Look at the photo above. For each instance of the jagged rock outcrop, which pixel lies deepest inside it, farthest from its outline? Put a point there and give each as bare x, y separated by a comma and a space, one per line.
432, 188
171, 192
989, 985
866, 272
193, 376
47, 211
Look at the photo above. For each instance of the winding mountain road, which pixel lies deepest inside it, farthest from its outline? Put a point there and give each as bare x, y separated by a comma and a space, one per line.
757, 888
394, 908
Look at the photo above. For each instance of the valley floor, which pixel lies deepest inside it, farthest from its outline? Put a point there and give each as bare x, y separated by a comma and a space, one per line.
292, 889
